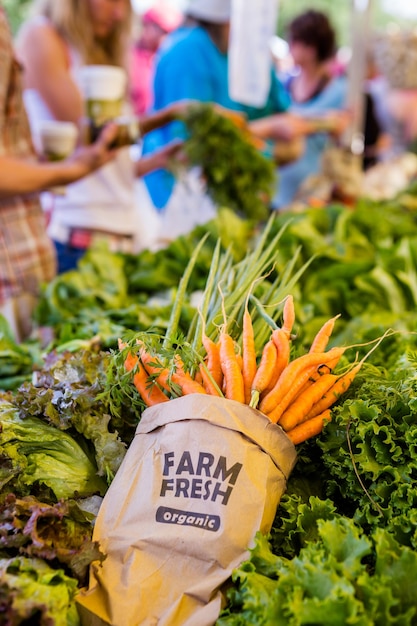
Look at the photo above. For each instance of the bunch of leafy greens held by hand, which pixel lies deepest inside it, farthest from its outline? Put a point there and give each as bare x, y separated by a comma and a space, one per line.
236, 173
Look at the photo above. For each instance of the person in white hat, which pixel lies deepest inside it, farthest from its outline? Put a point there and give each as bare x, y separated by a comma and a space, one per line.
215, 11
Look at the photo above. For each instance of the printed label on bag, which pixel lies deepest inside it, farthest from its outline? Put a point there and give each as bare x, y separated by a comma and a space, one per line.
166, 515
202, 477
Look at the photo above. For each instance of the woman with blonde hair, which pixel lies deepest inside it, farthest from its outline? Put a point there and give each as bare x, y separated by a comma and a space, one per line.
56, 42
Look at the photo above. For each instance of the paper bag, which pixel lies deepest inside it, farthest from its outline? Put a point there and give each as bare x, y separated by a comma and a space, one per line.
201, 477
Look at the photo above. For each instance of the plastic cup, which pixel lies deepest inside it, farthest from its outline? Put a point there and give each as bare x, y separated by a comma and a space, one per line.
103, 88
57, 141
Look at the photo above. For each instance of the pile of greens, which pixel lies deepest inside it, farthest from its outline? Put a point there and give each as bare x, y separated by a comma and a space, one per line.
60, 447
236, 173
363, 261
109, 294
343, 547
31, 592
17, 360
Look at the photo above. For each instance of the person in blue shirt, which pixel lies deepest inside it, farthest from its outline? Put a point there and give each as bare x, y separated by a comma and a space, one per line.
192, 64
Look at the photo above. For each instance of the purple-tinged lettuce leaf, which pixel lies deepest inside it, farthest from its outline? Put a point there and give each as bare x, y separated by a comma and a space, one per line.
60, 532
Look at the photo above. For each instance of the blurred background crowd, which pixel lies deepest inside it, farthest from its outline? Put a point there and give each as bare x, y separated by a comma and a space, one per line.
294, 88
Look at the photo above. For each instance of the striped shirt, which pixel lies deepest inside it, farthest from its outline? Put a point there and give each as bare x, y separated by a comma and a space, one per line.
27, 256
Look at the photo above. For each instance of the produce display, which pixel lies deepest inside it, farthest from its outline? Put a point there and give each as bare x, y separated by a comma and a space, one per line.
343, 546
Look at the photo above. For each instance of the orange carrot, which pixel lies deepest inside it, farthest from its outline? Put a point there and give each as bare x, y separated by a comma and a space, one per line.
264, 372
282, 344
298, 410
166, 377
288, 315
248, 354
184, 379
320, 371
292, 373
322, 337
288, 397
341, 385
199, 377
309, 428
213, 359
233, 378
208, 383
149, 391
156, 369
131, 361
187, 384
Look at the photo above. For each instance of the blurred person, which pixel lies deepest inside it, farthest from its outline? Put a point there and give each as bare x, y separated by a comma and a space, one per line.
192, 63
377, 140
314, 94
159, 20
59, 39
27, 255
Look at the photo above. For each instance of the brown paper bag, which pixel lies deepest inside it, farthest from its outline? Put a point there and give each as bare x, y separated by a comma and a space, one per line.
201, 477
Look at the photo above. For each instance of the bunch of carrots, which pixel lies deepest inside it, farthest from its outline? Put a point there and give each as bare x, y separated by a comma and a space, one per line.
295, 393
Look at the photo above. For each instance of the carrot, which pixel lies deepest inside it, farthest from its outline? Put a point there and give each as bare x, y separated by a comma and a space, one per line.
264, 372
149, 391
294, 390
213, 359
309, 428
320, 371
166, 378
184, 379
248, 354
322, 337
155, 368
233, 378
208, 383
341, 385
288, 316
130, 362
187, 384
298, 410
282, 344
306, 364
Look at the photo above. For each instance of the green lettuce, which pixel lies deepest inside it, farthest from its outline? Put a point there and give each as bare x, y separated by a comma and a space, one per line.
65, 393
342, 577
43, 454
33, 593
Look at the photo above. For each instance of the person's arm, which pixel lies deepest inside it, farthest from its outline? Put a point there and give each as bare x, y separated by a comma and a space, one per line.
44, 56
285, 152
281, 126
159, 159
174, 111
20, 177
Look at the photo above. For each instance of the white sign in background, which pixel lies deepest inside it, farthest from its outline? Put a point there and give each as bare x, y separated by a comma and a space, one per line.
253, 24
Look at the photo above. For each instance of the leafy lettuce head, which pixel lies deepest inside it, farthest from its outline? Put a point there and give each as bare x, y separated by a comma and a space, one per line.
43, 454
